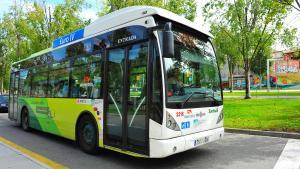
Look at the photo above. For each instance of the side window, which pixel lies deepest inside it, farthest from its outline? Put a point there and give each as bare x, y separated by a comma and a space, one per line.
58, 85
86, 81
25, 82
39, 82
156, 110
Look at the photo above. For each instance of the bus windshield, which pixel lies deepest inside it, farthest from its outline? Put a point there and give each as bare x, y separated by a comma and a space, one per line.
192, 74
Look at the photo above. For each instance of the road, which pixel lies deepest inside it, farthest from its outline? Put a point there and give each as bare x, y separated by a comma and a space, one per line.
235, 151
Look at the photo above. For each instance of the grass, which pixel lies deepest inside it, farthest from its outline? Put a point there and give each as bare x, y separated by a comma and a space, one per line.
254, 93
263, 114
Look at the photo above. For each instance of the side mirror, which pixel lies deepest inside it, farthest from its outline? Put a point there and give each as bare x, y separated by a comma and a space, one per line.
168, 41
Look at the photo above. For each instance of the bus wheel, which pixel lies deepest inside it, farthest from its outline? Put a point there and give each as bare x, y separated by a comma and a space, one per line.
25, 120
87, 134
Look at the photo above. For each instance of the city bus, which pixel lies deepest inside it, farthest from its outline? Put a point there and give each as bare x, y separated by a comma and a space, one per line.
141, 81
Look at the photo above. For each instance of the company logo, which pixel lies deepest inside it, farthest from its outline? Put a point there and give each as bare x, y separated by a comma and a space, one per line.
83, 101
196, 123
185, 125
215, 110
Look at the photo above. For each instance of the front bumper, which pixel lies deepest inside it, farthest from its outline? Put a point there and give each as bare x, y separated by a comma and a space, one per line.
164, 148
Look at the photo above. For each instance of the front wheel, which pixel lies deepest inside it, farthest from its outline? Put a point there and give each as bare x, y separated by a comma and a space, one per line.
25, 120
87, 135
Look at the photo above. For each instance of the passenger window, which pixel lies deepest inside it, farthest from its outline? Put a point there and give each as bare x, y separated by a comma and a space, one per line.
59, 83
86, 81
25, 82
39, 84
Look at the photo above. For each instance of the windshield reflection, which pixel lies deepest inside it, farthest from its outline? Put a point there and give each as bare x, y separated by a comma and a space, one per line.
192, 75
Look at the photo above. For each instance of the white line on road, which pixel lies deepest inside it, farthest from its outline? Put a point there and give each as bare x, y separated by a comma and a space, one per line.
290, 156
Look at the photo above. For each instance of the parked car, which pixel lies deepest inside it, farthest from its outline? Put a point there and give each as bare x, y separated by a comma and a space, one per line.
3, 103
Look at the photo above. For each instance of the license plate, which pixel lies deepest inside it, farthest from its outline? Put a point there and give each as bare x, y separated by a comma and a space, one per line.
201, 141
3, 105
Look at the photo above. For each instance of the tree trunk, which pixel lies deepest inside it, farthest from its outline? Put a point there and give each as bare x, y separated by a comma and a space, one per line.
247, 79
231, 81
230, 71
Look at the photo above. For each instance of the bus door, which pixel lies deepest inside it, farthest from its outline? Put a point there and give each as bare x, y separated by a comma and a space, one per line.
13, 95
125, 124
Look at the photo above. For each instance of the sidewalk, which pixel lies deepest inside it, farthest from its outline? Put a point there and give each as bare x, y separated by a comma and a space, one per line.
12, 158
265, 97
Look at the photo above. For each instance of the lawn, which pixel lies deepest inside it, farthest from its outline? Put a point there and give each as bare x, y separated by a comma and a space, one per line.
263, 114
260, 93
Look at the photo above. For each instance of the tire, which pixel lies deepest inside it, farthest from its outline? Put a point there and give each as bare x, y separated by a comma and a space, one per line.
87, 134
25, 120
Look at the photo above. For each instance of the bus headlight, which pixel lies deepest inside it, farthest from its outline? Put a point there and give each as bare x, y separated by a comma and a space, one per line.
171, 123
221, 116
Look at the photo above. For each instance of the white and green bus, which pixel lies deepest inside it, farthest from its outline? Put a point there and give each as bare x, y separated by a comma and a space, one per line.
141, 81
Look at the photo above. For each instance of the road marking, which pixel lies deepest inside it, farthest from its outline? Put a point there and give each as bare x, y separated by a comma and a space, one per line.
33, 155
290, 156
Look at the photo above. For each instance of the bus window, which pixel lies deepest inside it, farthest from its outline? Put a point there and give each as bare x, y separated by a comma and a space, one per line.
86, 81
156, 110
25, 82
59, 83
39, 83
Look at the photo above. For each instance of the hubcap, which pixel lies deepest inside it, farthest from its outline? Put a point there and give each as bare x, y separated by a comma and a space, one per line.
88, 133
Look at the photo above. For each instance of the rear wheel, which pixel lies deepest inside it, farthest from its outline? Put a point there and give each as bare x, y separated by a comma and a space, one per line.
25, 120
87, 134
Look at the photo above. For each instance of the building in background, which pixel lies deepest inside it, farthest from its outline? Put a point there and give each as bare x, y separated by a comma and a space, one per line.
284, 72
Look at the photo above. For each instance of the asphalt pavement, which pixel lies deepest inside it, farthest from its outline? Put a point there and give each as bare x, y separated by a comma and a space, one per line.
235, 151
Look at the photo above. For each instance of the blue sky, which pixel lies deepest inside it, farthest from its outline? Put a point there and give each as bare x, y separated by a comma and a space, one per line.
89, 13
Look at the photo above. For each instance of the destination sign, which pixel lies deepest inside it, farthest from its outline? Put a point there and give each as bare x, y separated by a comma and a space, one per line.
68, 38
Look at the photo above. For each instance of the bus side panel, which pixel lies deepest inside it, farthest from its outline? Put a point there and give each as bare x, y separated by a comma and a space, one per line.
59, 115
37, 119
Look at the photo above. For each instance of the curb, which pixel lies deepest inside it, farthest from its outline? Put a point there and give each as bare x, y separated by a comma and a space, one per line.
264, 133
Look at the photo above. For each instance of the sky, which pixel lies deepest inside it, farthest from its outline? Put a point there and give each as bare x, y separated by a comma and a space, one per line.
292, 21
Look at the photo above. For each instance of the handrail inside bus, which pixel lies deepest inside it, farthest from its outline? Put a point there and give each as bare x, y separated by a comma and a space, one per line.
137, 109
116, 105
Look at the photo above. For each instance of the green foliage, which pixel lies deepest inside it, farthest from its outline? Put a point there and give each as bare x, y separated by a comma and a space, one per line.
258, 64
288, 37
251, 27
24, 32
186, 8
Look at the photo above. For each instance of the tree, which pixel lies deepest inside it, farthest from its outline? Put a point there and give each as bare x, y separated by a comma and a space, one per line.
186, 8
290, 3
226, 50
253, 26
258, 64
25, 31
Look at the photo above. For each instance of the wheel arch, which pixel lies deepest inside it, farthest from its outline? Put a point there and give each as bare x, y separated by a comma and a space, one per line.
21, 112
86, 113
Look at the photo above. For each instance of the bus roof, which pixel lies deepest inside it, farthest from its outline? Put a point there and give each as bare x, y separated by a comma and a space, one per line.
133, 13
128, 14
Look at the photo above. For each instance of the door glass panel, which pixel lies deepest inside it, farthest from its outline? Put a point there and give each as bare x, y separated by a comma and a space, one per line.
114, 115
137, 96
16, 94
11, 96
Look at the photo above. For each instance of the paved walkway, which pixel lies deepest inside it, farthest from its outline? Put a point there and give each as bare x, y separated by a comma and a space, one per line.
14, 159
267, 97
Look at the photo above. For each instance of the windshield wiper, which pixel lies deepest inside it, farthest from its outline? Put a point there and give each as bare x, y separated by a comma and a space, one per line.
190, 96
